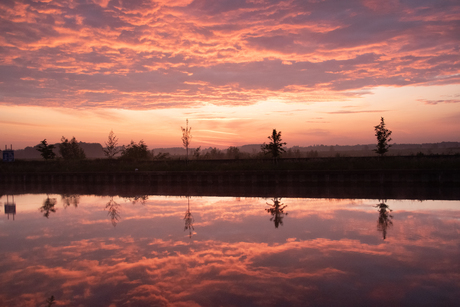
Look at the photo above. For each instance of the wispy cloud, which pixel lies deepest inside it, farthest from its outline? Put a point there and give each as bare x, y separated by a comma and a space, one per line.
317, 121
434, 102
219, 132
353, 112
15, 123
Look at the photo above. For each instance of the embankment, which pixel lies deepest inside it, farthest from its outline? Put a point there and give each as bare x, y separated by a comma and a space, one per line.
383, 184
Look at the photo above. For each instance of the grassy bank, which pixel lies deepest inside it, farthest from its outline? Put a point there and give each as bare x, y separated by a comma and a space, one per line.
337, 163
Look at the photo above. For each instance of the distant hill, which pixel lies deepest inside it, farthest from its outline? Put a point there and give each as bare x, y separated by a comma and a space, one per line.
95, 150
333, 150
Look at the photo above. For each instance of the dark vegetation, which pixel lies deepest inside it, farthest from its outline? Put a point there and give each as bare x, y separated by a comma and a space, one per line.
46, 150
426, 162
275, 146
111, 148
383, 137
95, 151
186, 138
71, 150
70, 156
136, 152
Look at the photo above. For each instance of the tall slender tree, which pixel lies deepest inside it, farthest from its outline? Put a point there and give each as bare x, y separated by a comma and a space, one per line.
111, 149
186, 137
383, 137
385, 218
275, 147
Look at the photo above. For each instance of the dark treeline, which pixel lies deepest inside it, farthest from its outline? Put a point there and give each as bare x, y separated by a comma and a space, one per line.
95, 151
72, 150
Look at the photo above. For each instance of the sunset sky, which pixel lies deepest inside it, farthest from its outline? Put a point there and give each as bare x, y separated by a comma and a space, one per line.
320, 71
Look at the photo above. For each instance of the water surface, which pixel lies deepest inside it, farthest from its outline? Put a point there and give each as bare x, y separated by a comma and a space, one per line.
87, 250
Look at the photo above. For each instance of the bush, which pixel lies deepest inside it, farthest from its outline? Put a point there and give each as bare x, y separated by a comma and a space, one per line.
137, 152
71, 150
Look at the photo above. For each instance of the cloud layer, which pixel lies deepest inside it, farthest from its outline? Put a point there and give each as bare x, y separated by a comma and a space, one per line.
143, 54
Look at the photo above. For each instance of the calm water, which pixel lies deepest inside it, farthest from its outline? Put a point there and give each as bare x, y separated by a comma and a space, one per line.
216, 251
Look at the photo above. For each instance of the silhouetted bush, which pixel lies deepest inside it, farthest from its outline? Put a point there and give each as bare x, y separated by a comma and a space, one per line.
136, 152
71, 150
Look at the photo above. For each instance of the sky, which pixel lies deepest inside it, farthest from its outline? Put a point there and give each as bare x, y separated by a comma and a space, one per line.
319, 71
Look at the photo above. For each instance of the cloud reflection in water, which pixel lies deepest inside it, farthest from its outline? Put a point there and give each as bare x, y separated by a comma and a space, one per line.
328, 253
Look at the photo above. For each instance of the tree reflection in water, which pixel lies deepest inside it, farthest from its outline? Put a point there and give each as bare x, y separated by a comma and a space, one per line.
51, 301
70, 199
385, 217
113, 211
276, 210
188, 219
48, 206
138, 199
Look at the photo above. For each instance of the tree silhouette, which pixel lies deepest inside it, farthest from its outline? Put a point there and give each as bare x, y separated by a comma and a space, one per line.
233, 152
48, 206
51, 301
70, 199
71, 150
277, 211
384, 221
383, 137
214, 153
111, 149
275, 147
188, 218
113, 209
46, 150
186, 137
138, 199
161, 156
197, 153
136, 151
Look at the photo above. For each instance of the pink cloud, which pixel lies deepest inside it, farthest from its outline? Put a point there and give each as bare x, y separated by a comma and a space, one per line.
143, 54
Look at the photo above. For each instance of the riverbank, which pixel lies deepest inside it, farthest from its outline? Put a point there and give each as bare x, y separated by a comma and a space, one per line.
407, 184
431, 162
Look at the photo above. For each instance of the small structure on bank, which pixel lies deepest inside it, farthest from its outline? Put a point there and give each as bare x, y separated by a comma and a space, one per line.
8, 154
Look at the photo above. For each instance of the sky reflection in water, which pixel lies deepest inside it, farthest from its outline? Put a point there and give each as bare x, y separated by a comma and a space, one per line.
210, 251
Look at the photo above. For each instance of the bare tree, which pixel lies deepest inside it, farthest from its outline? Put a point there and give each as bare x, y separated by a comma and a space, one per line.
113, 209
188, 219
186, 137
384, 221
111, 148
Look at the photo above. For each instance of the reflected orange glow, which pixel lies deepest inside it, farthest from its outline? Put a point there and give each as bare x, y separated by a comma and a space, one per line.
235, 250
